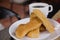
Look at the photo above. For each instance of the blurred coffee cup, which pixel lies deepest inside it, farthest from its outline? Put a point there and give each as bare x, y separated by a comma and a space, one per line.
44, 7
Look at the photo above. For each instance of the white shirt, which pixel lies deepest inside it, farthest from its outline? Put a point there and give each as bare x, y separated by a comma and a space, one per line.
1, 27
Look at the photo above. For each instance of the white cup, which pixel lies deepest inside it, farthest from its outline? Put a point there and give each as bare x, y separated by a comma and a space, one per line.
44, 7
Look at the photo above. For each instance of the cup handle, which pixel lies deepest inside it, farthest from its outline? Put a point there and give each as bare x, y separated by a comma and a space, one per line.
51, 8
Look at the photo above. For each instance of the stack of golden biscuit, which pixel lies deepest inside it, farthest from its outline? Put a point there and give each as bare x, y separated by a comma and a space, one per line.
38, 22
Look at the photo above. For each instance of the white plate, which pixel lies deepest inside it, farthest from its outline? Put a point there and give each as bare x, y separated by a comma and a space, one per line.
42, 35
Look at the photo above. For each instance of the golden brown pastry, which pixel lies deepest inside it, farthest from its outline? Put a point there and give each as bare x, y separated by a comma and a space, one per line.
17, 32
32, 16
33, 33
21, 31
42, 28
45, 21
